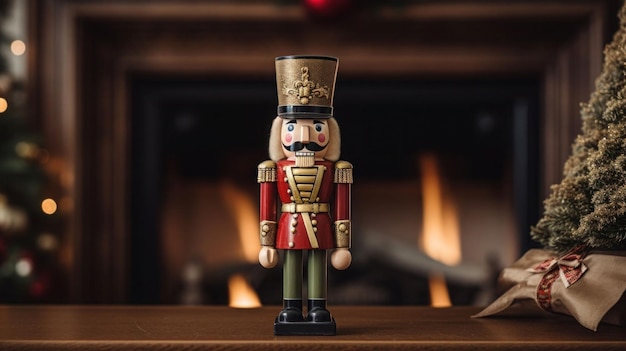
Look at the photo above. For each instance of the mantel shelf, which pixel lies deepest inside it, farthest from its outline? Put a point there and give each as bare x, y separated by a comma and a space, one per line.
107, 327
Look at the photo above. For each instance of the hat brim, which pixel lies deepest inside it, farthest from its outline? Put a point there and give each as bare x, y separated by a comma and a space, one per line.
304, 111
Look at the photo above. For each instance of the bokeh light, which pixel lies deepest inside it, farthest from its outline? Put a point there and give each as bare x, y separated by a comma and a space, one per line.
49, 206
3, 104
18, 47
23, 267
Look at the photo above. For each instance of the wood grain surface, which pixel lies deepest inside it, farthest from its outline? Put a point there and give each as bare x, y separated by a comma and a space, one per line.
120, 327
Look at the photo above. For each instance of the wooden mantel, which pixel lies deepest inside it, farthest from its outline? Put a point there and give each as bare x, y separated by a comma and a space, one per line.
358, 328
86, 53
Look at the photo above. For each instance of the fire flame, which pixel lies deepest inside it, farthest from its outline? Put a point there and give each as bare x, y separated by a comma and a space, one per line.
241, 294
243, 209
241, 205
441, 233
439, 295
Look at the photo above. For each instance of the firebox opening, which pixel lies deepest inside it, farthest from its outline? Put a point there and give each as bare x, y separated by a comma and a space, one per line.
196, 144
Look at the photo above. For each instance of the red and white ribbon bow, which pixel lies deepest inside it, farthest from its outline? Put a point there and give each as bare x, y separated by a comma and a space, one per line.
570, 266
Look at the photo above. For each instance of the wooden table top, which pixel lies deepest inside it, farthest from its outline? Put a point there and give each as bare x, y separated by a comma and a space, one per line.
100, 327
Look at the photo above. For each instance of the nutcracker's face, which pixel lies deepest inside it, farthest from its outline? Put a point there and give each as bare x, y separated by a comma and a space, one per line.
305, 135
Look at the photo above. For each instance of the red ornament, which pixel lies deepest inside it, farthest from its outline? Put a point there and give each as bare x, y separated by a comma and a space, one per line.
327, 8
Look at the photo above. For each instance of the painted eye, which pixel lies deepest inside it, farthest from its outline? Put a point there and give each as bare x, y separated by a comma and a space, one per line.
290, 127
319, 127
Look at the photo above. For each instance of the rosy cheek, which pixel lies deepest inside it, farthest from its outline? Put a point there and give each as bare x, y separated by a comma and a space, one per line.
321, 138
288, 138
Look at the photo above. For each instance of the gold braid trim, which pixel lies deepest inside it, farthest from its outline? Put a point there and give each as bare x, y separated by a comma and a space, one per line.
343, 172
343, 231
266, 172
268, 233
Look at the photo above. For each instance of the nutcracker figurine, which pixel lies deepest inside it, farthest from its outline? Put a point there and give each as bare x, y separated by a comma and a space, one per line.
314, 190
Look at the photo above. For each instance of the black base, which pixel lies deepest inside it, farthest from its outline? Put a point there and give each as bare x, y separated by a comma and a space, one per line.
305, 328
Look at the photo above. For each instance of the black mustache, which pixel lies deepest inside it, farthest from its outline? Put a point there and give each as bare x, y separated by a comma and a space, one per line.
297, 146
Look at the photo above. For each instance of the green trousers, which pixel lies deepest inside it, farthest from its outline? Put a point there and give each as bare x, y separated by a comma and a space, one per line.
316, 275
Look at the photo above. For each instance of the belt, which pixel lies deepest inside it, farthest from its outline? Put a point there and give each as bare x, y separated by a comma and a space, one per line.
306, 208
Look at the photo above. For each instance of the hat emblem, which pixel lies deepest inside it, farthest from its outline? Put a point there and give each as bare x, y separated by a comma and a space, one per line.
305, 89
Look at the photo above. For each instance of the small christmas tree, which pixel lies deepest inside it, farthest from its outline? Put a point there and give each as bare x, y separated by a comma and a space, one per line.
581, 270
589, 205
28, 260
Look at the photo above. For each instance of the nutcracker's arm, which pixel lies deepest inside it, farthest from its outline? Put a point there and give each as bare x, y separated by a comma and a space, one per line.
266, 177
341, 258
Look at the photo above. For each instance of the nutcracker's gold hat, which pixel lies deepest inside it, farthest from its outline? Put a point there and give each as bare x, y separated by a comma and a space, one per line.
306, 84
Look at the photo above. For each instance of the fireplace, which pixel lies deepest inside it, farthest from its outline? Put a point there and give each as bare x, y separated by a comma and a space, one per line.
196, 143
485, 95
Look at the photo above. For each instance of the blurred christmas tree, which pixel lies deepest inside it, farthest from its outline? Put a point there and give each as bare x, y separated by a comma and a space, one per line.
27, 246
589, 205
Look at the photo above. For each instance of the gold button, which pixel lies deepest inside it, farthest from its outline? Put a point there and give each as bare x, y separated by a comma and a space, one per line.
342, 227
291, 244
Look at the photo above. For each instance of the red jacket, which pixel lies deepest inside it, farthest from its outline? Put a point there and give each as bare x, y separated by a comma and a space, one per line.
310, 204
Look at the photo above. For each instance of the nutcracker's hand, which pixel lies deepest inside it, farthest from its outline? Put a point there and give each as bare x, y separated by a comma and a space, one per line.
268, 257
341, 259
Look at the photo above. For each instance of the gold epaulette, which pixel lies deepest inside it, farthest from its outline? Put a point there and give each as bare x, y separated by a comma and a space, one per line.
343, 172
266, 172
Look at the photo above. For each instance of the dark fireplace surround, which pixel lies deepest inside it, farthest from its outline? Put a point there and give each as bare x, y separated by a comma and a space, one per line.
99, 50
192, 135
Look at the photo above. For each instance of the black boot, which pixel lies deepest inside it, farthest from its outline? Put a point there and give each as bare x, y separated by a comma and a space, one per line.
292, 311
318, 312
